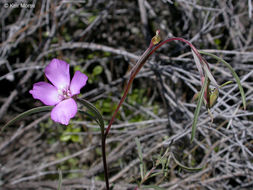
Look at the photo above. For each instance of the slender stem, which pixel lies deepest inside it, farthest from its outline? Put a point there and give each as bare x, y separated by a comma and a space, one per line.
133, 72
99, 119
185, 41
104, 162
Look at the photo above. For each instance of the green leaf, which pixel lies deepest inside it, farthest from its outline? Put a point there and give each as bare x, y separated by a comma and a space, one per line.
60, 180
185, 167
76, 130
98, 117
26, 113
107, 54
197, 110
233, 73
75, 138
217, 42
226, 83
65, 138
86, 113
78, 68
97, 70
137, 141
153, 186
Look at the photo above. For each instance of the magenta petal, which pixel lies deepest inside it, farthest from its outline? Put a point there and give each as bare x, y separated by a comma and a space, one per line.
46, 93
64, 111
78, 81
58, 73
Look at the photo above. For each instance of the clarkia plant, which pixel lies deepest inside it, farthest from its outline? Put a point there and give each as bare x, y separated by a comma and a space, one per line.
61, 93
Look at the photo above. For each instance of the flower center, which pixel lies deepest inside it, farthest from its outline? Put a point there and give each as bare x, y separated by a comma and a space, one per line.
64, 93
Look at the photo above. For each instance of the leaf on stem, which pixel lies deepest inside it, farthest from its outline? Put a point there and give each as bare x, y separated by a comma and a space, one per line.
225, 84
137, 141
233, 73
198, 64
197, 110
206, 69
185, 167
26, 113
210, 76
60, 180
98, 117
153, 187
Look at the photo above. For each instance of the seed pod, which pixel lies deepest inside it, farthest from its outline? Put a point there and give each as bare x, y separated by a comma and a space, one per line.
213, 97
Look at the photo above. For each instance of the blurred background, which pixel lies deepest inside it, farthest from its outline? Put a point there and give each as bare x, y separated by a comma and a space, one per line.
104, 39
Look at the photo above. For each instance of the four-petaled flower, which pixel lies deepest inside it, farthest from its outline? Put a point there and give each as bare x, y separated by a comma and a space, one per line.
61, 92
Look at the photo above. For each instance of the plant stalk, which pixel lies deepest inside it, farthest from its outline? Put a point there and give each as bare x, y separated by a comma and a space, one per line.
105, 163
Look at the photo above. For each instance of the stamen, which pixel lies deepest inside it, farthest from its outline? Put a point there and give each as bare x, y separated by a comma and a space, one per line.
64, 93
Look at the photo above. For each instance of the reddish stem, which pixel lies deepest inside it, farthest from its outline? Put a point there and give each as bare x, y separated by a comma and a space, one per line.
185, 41
134, 72
151, 49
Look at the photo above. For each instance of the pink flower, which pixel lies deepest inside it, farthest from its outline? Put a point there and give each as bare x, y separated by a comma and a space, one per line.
61, 92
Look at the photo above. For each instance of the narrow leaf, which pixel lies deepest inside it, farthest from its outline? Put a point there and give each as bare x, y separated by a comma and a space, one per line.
197, 110
198, 64
153, 186
137, 141
60, 180
185, 167
233, 73
89, 115
225, 84
93, 109
210, 76
26, 113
